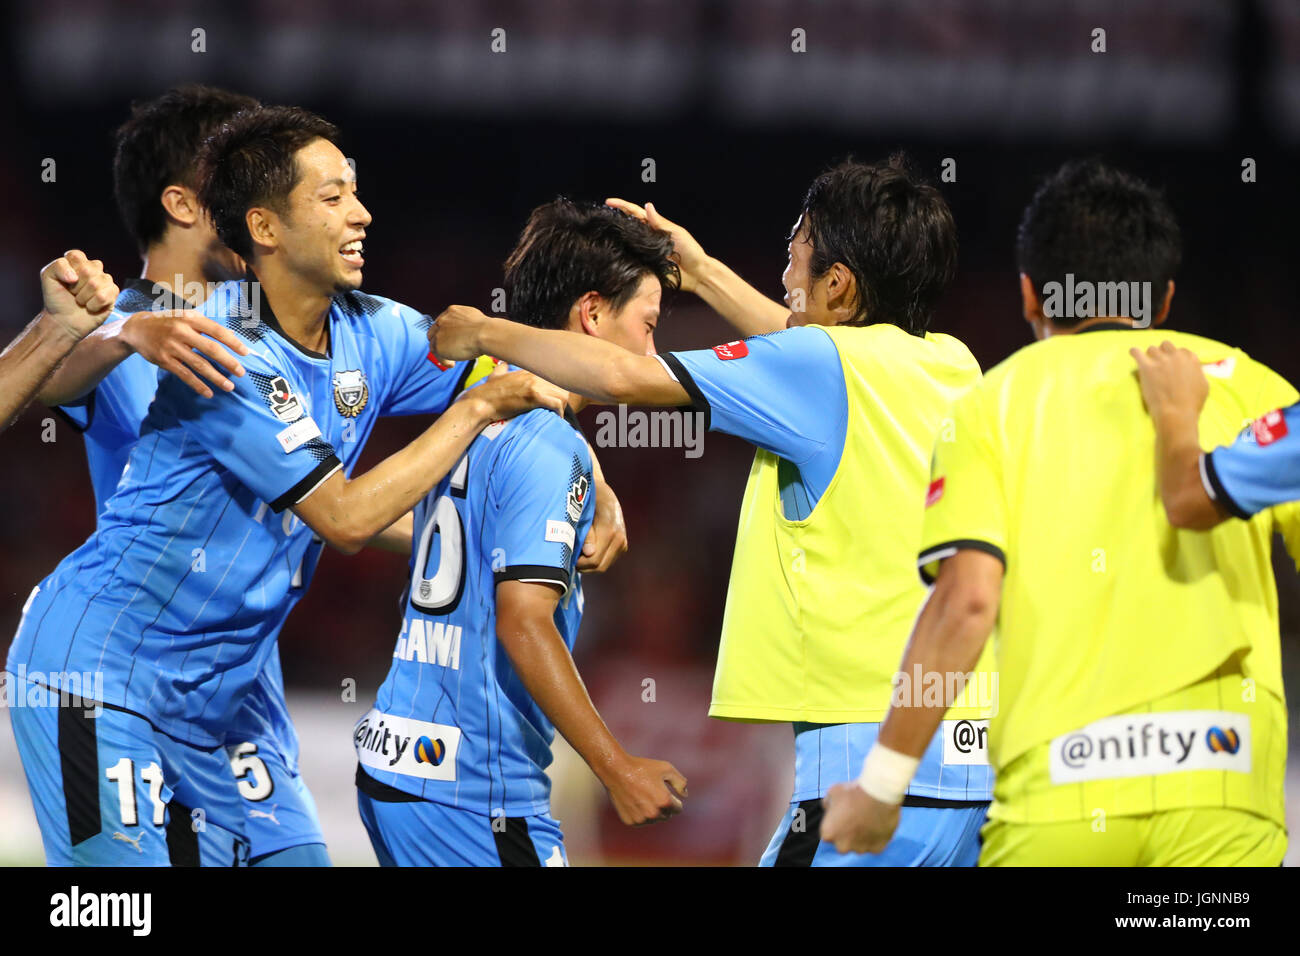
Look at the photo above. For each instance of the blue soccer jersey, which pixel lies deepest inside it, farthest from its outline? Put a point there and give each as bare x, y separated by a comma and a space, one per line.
178, 595
452, 722
788, 397
1258, 470
109, 416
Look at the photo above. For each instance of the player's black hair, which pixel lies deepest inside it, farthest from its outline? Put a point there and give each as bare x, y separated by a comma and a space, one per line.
158, 147
250, 162
568, 249
1102, 225
892, 230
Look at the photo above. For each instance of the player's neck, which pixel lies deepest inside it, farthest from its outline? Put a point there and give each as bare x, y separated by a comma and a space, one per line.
301, 311
1051, 330
179, 271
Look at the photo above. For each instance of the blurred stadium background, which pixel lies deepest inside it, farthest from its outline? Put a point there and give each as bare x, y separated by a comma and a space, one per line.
454, 144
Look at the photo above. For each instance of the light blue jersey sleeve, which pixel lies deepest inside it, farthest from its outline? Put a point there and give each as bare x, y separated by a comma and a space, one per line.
416, 384
261, 431
1260, 469
542, 491
783, 392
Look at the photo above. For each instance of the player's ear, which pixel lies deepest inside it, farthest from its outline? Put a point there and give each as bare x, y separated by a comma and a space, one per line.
261, 226
588, 310
180, 204
1163, 312
1033, 305
841, 291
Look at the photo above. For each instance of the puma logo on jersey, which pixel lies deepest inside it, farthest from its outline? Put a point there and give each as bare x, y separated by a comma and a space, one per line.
135, 842
265, 814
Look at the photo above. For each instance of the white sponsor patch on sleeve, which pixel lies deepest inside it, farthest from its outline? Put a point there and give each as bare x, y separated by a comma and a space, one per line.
298, 434
560, 531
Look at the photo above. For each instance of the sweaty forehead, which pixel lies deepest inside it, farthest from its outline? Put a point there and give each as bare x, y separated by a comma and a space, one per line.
321, 162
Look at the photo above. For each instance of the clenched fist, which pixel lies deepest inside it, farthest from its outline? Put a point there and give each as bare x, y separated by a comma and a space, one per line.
78, 293
454, 335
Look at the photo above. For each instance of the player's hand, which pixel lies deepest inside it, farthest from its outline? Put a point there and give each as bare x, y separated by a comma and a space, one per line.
855, 821
687, 253
78, 293
607, 539
1173, 382
645, 791
170, 340
454, 334
508, 394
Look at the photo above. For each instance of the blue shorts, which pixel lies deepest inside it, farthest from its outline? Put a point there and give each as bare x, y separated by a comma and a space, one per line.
279, 812
926, 836
938, 826
109, 790
422, 833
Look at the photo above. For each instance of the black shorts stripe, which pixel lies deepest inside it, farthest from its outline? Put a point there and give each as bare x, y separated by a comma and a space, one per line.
378, 790
801, 841
684, 379
514, 845
314, 478
79, 764
952, 547
182, 839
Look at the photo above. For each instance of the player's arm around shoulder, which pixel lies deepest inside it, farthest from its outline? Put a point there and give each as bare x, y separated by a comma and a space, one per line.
1174, 390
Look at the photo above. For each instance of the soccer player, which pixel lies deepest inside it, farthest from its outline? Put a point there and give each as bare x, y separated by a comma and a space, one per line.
209, 538
452, 757
105, 387
1141, 718
1200, 489
844, 411
78, 296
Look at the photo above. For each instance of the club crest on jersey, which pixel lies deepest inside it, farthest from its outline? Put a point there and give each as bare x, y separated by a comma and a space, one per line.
284, 403
351, 392
577, 497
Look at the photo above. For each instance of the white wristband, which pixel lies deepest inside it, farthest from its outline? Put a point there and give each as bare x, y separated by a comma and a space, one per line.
886, 774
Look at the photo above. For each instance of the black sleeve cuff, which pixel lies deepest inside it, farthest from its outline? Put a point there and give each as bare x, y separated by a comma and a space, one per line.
532, 572
1218, 492
949, 548
87, 402
698, 401
307, 485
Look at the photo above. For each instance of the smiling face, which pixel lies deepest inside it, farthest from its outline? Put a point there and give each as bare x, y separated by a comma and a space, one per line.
321, 233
